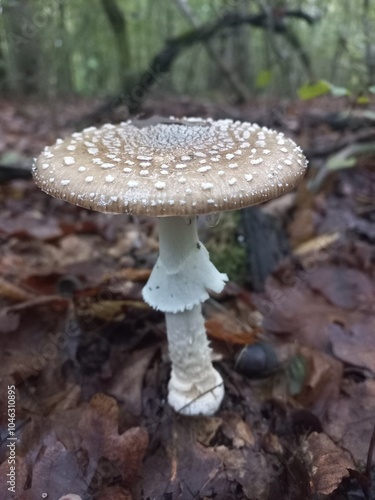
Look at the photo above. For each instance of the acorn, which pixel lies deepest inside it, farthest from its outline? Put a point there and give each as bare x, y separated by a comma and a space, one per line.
258, 360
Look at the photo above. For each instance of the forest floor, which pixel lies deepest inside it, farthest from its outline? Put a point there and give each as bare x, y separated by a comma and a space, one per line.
89, 358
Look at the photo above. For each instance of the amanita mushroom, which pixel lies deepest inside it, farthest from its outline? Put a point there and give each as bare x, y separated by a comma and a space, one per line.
175, 170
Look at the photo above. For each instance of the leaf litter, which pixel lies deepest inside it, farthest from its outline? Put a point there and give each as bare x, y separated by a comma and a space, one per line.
89, 358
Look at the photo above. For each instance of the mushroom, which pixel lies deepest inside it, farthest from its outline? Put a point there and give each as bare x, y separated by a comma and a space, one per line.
175, 170
70, 496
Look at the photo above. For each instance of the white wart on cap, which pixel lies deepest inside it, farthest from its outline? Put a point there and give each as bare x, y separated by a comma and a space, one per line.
181, 167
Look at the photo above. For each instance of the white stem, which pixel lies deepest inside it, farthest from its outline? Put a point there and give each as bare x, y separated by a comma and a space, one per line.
183, 272
177, 286
195, 386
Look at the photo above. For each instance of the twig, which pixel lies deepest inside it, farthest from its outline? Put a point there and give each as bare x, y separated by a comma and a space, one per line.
369, 459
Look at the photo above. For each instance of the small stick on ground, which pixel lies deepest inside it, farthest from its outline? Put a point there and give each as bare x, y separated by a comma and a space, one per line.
369, 460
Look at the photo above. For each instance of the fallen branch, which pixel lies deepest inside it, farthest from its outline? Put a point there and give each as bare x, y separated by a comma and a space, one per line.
162, 62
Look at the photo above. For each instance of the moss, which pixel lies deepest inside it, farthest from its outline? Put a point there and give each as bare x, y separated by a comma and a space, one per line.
225, 247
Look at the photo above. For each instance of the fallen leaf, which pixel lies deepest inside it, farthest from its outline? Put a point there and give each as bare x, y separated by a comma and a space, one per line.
226, 328
355, 344
237, 430
54, 469
28, 343
195, 468
316, 244
114, 493
98, 427
322, 383
32, 225
21, 479
10, 291
130, 274
329, 463
127, 382
342, 286
350, 419
207, 428
248, 469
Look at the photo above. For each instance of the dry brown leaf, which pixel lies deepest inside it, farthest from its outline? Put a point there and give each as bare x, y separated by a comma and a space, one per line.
206, 429
322, 382
316, 244
356, 345
108, 310
130, 274
31, 225
247, 468
350, 419
98, 427
10, 291
293, 309
183, 472
76, 249
226, 328
302, 226
237, 430
9, 322
127, 382
21, 478
329, 463
114, 493
28, 347
342, 286
55, 469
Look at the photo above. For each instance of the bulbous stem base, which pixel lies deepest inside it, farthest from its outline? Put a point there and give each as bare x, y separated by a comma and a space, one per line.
195, 387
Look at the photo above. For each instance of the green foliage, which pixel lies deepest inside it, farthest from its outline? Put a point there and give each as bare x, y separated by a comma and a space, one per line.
231, 260
322, 87
312, 90
296, 372
263, 79
363, 99
348, 157
226, 252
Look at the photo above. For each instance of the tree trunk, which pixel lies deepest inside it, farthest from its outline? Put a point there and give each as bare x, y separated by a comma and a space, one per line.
369, 47
3, 72
65, 51
22, 27
266, 245
118, 23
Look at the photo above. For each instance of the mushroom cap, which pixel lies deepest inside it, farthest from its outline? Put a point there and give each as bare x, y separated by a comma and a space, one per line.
170, 167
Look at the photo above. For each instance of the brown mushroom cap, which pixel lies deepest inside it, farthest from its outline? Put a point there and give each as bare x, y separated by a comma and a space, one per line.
176, 168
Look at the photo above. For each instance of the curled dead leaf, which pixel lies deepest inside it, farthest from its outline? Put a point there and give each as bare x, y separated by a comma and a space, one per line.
226, 328
237, 430
130, 274
10, 291
329, 463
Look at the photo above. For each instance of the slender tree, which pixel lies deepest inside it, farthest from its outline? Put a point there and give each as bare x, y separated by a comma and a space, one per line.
118, 23
22, 29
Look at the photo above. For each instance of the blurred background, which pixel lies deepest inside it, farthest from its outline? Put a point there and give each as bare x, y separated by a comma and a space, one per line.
224, 50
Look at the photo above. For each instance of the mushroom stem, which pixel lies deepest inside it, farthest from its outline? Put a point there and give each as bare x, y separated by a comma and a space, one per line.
195, 386
183, 272
177, 286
